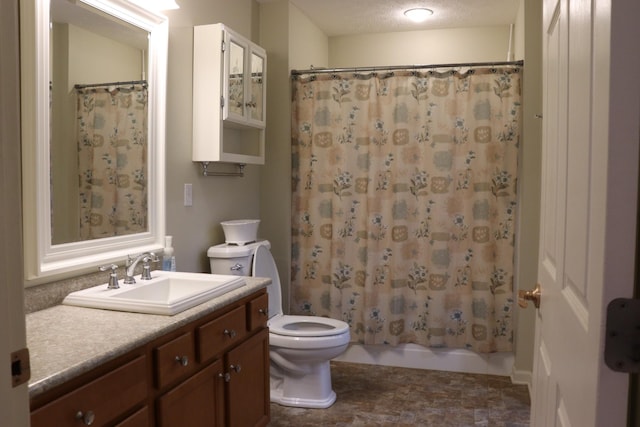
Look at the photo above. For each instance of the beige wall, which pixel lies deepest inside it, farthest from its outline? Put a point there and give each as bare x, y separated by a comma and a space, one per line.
444, 46
519, 33
529, 180
291, 41
308, 45
96, 59
215, 199
275, 186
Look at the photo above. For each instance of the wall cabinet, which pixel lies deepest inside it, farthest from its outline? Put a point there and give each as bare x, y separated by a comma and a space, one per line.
229, 96
212, 372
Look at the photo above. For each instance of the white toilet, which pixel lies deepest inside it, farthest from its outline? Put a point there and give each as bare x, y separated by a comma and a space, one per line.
300, 347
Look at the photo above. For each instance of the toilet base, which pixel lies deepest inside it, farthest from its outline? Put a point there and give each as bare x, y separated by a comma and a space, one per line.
303, 403
311, 389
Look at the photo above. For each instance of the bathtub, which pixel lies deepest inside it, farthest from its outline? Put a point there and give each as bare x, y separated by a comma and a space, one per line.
417, 356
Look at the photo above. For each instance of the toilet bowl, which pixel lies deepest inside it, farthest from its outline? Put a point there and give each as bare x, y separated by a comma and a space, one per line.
300, 347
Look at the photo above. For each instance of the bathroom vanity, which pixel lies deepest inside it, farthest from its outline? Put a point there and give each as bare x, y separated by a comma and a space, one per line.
207, 366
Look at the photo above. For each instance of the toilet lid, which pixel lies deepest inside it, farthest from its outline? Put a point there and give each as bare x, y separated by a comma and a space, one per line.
307, 326
265, 266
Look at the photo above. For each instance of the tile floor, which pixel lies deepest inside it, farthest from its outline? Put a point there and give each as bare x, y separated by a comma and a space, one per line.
371, 395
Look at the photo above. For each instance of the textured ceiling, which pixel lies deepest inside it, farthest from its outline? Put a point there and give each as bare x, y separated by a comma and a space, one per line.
342, 17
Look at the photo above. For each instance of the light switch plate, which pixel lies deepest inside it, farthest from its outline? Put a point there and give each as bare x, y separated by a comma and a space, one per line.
188, 195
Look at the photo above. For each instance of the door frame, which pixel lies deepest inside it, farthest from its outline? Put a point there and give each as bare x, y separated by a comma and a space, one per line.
14, 401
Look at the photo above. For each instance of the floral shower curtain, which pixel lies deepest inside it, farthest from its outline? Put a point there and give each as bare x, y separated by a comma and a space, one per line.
404, 202
112, 157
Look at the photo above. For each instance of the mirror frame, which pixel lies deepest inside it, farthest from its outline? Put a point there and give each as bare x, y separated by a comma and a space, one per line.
44, 262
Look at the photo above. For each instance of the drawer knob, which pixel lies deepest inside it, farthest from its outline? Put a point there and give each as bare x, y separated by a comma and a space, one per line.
236, 368
264, 311
184, 360
230, 332
87, 418
226, 376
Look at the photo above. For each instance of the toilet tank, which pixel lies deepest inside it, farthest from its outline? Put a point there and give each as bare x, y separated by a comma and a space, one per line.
232, 259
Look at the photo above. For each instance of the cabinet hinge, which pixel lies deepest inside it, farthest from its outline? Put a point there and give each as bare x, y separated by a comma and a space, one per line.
222, 102
622, 342
223, 46
20, 367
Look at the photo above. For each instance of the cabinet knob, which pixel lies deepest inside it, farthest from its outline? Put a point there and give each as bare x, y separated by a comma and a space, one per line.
236, 368
87, 418
264, 311
230, 332
183, 360
226, 376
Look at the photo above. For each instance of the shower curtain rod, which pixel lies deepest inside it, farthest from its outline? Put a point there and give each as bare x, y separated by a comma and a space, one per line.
401, 67
131, 82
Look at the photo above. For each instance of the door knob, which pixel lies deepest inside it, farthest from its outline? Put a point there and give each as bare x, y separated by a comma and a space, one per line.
532, 295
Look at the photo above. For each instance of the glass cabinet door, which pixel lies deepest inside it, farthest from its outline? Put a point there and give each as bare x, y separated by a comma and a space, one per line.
256, 87
236, 70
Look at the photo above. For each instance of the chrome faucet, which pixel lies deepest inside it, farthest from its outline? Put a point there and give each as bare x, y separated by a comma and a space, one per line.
132, 262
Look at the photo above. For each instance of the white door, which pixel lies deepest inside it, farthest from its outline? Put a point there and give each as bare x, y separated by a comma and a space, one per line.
588, 216
14, 402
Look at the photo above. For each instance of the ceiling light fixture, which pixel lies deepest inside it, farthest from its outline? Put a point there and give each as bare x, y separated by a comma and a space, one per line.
418, 14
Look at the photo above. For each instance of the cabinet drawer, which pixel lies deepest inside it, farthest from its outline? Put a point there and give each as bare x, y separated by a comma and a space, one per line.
258, 312
219, 334
174, 360
103, 399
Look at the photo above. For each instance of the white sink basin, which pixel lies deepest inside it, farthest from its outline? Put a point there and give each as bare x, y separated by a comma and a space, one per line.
166, 293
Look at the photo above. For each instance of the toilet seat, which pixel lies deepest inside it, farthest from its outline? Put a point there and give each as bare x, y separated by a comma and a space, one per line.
306, 326
292, 331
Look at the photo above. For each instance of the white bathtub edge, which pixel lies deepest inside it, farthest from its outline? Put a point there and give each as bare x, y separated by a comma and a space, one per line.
419, 357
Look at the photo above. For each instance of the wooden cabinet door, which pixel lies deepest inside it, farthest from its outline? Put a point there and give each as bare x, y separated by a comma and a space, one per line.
197, 402
248, 387
139, 419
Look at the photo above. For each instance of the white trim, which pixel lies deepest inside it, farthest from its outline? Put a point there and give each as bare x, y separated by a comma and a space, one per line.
14, 401
43, 260
419, 357
522, 377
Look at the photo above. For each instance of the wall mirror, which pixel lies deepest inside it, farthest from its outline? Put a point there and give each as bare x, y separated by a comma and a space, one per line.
93, 129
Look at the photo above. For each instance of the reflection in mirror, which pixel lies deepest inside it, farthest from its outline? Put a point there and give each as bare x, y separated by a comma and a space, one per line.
257, 75
236, 79
98, 125
93, 92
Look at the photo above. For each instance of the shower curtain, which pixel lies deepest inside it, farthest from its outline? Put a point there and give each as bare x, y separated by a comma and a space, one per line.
111, 129
404, 203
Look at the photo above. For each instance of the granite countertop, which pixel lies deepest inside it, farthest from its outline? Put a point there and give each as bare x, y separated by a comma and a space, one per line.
66, 341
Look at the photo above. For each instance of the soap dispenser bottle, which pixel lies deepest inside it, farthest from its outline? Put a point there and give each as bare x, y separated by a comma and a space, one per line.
168, 259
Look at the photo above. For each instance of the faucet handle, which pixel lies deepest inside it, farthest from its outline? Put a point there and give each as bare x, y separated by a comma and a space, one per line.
146, 269
113, 276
